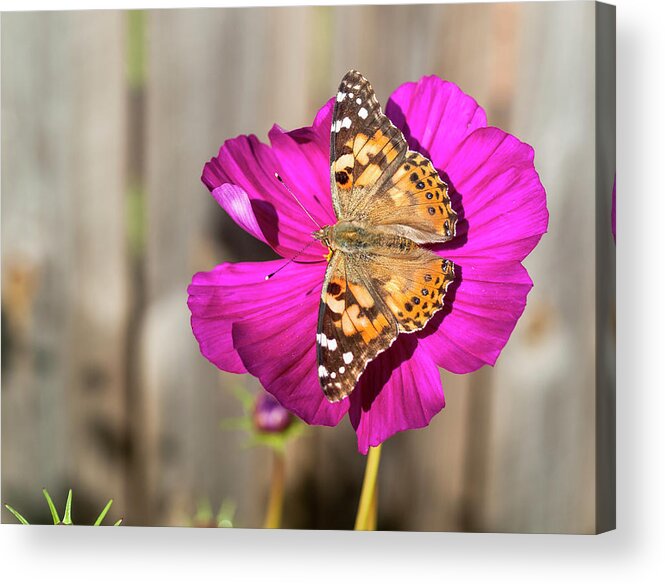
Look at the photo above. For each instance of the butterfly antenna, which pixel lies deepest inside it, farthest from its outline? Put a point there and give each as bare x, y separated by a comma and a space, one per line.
280, 179
290, 260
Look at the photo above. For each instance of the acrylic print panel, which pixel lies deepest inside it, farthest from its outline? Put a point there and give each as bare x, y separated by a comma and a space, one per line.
439, 231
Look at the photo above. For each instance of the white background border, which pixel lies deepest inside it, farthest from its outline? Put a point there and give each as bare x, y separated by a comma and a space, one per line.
636, 550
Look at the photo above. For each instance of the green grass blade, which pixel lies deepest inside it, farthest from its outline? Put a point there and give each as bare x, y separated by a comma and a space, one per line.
105, 510
51, 506
16, 514
118, 522
67, 519
226, 513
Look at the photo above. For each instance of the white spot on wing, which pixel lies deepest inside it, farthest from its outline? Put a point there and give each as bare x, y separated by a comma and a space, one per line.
346, 123
362, 112
323, 372
340, 96
348, 357
332, 344
342, 369
333, 375
359, 101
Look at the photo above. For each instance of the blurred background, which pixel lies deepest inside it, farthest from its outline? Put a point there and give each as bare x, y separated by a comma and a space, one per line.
107, 120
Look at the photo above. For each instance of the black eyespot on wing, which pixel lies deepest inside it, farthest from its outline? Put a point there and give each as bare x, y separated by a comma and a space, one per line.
341, 177
334, 288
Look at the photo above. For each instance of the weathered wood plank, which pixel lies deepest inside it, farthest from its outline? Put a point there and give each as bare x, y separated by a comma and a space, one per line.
63, 212
543, 447
208, 81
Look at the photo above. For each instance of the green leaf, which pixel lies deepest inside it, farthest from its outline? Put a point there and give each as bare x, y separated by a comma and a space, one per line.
118, 522
51, 506
16, 514
105, 510
244, 396
278, 441
67, 520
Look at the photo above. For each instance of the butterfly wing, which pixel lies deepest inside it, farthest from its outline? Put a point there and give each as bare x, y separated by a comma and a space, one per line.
369, 299
375, 178
366, 302
365, 147
354, 326
414, 202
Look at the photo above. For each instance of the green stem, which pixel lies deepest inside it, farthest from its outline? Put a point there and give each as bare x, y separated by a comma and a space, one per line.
366, 517
273, 518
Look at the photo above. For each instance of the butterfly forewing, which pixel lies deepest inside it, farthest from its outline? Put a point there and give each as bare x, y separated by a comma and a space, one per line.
354, 326
365, 147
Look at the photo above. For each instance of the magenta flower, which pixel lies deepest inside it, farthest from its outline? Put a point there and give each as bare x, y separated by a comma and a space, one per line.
244, 323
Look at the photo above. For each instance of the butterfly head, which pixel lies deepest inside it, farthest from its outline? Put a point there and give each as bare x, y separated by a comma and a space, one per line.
324, 235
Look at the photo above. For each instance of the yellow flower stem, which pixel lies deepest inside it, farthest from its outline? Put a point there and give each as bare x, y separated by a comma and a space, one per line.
273, 518
366, 517
373, 510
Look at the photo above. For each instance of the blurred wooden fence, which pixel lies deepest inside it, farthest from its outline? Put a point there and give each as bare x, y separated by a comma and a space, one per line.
107, 120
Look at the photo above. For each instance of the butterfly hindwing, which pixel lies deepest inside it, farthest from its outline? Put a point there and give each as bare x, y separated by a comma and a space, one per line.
413, 286
415, 201
366, 303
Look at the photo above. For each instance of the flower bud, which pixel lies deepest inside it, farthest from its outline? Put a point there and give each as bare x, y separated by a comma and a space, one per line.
269, 416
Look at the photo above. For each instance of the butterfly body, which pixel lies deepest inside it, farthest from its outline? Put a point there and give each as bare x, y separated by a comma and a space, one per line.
389, 201
351, 237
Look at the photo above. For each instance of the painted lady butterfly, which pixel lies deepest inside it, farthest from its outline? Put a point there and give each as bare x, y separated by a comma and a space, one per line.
388, 201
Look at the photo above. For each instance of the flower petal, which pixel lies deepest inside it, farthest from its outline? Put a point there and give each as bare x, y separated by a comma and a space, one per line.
435, 117
212, 316
499, 197
305, 167
300, 159
399, 390
237, 204
268, 328
484, 309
